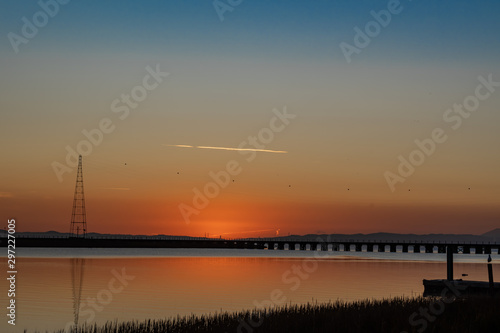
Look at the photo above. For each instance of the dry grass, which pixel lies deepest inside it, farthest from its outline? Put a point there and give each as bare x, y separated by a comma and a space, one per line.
387, 316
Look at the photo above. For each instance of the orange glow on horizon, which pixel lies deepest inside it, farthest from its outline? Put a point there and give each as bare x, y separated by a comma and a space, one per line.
234, 218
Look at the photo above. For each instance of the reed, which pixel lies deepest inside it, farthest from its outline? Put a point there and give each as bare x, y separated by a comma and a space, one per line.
475, 314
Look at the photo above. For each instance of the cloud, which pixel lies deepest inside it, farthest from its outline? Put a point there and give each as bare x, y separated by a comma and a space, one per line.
117, 188
6, 195
230, 148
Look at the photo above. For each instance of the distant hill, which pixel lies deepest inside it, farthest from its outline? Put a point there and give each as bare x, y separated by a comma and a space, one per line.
493, 234
56, 234
382, 236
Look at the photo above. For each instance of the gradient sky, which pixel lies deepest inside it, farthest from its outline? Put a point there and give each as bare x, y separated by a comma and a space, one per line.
352, 121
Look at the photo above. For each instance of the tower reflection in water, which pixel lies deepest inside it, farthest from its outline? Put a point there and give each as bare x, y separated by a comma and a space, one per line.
77, 272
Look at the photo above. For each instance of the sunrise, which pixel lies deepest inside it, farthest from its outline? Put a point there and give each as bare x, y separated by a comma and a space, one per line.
315, 143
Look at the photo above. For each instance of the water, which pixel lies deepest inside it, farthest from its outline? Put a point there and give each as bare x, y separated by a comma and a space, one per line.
126, 284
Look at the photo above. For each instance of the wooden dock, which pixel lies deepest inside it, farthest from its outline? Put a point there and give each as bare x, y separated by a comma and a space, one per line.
460, 288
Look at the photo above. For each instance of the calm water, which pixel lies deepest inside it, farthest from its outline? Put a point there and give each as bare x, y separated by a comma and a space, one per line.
127, 284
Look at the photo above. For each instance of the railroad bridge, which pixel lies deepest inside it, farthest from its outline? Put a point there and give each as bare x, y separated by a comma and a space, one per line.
261, 244
274, 244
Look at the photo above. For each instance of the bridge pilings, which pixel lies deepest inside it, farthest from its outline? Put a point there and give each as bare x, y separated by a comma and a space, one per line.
271, 244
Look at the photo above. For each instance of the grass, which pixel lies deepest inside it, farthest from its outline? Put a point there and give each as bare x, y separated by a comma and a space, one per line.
475, 314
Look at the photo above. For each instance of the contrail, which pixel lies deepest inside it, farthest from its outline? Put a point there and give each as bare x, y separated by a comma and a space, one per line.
244, 149
179, 146
117, 188
230, 148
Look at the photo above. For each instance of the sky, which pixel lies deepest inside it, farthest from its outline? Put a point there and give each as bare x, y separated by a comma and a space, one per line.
369, 116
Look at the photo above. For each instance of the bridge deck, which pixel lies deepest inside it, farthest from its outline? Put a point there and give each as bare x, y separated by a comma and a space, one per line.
269, 244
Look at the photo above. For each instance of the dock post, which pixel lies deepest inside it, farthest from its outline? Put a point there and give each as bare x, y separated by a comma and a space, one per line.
490, 274
449, 262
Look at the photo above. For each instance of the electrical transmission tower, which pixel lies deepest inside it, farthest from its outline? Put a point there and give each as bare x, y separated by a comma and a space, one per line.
78, 217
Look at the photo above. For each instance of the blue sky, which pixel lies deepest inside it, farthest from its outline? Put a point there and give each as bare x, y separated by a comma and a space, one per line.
293, 29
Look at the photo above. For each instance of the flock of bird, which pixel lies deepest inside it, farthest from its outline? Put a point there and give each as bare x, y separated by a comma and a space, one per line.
291, 185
